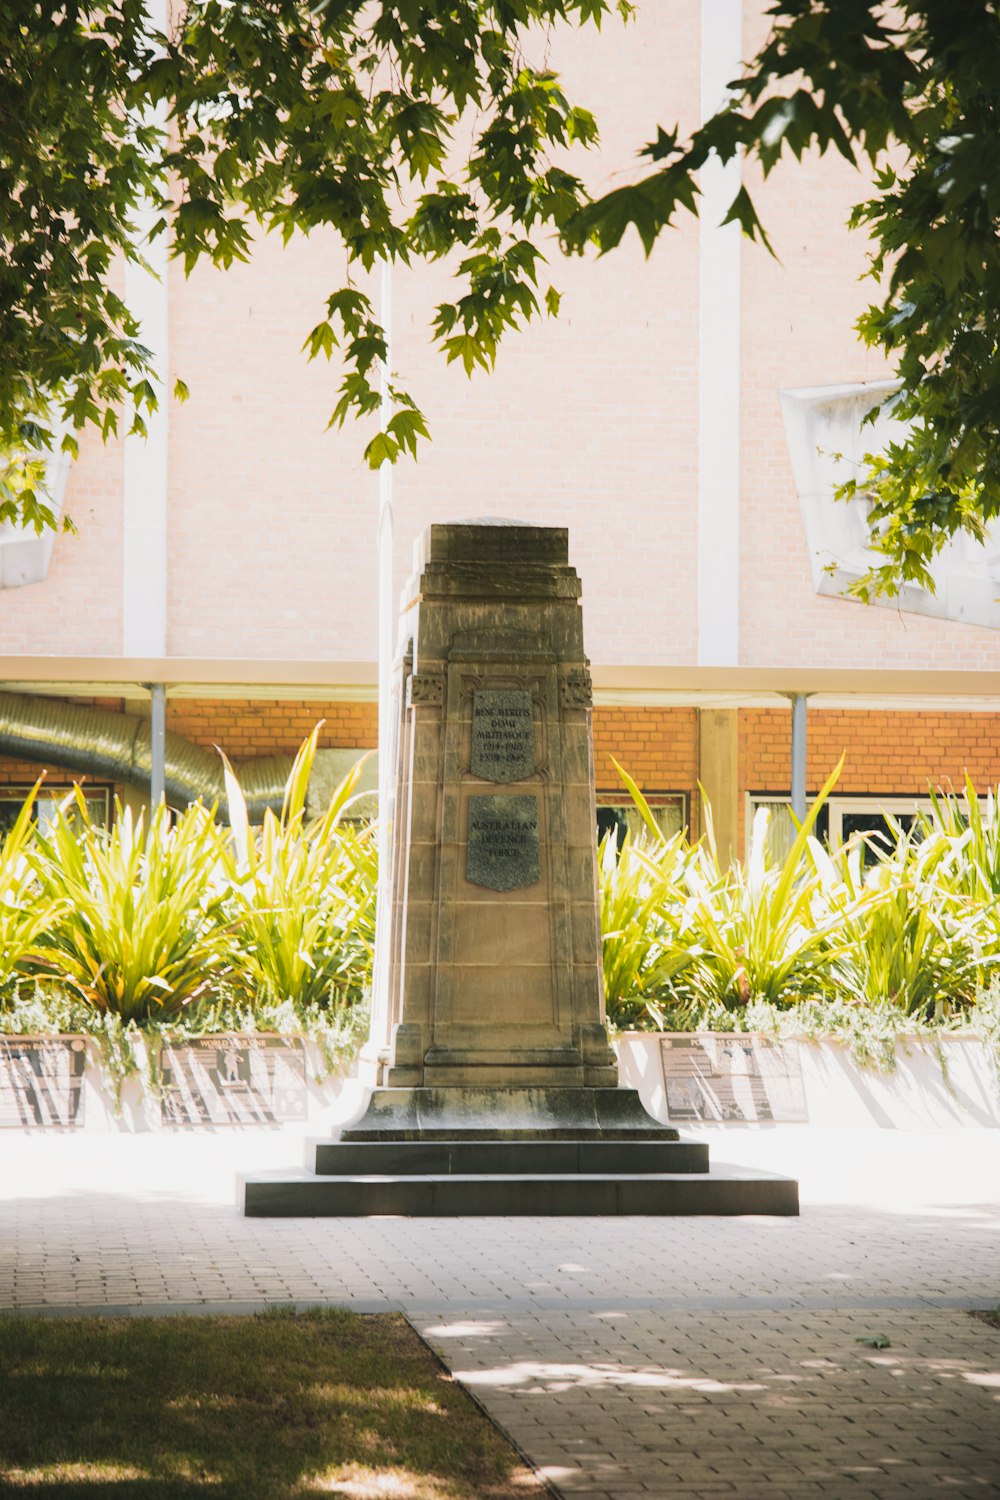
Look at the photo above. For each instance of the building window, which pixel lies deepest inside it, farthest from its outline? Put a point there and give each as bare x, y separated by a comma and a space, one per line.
839, 819
669, 809
47, 802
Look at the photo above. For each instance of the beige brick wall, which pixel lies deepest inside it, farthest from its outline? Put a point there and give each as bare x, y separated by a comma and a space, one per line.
589, 421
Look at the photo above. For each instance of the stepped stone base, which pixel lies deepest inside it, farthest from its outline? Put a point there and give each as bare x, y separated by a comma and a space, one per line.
278, 1195
480, 1114
511, 1152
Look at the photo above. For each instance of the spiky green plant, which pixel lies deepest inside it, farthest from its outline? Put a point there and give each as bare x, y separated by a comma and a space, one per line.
26, 912
302, 895
913, 936
139, 930
765, 934
646, 951
973, 832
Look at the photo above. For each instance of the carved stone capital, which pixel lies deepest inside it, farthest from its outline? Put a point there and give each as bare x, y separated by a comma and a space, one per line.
576, 689
425, 688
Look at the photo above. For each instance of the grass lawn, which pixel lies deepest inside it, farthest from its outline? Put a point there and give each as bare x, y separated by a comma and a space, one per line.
278, 1405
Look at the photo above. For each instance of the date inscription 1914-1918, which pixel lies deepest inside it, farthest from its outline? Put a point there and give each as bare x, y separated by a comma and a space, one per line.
503, 850
503, 734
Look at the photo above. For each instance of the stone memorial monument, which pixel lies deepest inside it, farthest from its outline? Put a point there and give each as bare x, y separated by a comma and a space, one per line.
494, 1086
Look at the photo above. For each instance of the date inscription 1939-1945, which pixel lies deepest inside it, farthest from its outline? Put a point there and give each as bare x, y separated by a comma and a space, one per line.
503, 734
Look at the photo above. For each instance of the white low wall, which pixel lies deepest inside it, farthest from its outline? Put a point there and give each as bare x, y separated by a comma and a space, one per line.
223, 1082
233, 1081
726, 1078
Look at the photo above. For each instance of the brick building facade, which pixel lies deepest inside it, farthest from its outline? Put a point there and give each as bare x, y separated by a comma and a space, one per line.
647, 419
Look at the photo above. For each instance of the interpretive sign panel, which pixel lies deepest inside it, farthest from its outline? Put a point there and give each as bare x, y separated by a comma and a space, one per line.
503, 852
41, 1081
731, 1078
503, 734
234, 1080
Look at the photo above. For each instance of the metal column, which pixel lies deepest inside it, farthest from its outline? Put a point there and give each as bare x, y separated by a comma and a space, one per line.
799, 755
158, 743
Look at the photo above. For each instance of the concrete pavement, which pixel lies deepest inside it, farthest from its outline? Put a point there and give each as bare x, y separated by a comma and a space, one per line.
690, 1358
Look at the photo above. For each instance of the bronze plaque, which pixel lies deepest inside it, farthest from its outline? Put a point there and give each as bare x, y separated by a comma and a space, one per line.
503, 734
233, 1080
503, 850
731, 1079
41, 1081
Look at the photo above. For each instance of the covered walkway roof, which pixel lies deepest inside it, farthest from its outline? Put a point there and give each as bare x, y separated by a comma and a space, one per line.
965, 691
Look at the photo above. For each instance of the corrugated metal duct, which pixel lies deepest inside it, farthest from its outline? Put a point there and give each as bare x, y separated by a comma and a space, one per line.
117, 747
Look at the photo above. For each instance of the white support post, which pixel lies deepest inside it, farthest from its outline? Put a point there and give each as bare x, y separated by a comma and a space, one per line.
799, 755
144, 559
379, 1039
719, 357
158, 744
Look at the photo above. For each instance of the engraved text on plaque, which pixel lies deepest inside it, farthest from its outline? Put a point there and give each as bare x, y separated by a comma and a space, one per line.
503, 852
503, 734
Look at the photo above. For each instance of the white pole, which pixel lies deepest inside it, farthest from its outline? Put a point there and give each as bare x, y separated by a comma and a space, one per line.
719, 357
799, 755
379, 1036
158, 744
144, 533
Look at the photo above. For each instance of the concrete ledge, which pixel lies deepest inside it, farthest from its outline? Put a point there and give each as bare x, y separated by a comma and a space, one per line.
221, 1082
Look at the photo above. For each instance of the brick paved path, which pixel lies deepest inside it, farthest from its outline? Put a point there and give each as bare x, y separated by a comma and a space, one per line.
688, 1358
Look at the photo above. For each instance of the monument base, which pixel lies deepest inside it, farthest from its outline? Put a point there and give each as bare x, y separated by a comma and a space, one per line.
427, 1152
485, 1114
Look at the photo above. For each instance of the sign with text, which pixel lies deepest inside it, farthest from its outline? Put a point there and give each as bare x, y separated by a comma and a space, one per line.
233, 1080
734, 1078
503, 849
503, 734
41, 1081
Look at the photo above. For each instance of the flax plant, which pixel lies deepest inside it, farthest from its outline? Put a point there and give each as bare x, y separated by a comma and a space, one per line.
139, 929
765, 931
686, 935
913, 934
26, 913
302, 895
646, 952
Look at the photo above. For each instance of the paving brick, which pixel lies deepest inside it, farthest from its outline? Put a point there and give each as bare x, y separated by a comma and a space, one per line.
693, 1359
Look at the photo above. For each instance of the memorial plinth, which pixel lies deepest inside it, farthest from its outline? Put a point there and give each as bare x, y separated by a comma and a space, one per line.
494, 1086
495, 974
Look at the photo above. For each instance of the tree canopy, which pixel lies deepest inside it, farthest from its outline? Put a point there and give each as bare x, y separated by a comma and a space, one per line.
911, 89
292, 116
283, 114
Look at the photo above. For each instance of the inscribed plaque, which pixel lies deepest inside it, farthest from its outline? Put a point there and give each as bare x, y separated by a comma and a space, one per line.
233, 1080
41, 1081
503, 852
503, 734
731, 1078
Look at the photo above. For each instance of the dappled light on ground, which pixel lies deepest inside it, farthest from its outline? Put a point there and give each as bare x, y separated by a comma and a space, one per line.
540, 1377
267, 1407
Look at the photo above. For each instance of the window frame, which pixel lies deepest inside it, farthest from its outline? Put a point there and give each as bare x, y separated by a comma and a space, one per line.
622, 802
891, 804
16, 792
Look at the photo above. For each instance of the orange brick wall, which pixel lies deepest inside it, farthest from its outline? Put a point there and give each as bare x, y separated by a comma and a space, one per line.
658, 747
246, 729
887, 753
